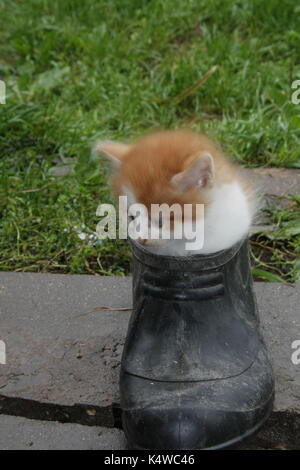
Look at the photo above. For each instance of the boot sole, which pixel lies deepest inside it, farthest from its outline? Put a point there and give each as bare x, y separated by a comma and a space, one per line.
224, 445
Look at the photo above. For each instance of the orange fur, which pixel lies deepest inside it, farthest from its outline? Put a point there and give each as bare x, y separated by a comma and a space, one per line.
149, 164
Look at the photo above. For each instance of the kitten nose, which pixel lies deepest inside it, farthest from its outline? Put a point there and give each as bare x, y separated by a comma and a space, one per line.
142, 241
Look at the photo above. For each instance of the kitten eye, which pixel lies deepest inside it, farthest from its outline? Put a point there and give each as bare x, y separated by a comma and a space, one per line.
130, 217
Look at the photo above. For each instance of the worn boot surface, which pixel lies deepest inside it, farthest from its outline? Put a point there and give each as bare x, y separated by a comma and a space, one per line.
195, 373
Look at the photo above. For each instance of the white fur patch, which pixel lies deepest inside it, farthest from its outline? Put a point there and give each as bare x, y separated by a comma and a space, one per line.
227, 218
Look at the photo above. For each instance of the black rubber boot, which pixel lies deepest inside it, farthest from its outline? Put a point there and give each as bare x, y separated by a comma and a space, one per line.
195, 373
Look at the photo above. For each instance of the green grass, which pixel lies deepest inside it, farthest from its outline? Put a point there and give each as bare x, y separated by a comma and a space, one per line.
77, 70
276, 254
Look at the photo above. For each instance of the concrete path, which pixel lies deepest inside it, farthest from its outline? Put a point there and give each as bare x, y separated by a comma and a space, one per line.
28, 434
275, 181
17, 433
63, 357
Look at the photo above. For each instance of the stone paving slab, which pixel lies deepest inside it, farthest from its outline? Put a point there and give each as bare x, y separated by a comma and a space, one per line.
26, 434
275, 181
63, 363
54, 357
17, 433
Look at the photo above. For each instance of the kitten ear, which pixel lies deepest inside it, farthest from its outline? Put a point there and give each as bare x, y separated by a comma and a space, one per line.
198, 175
113, 151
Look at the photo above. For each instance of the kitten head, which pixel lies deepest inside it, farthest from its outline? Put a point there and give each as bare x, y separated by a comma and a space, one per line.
171, 167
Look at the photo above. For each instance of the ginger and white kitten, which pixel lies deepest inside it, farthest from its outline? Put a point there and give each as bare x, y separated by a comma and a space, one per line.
185, 168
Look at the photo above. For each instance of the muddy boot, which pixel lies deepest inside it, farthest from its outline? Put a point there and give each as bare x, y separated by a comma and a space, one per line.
195, 372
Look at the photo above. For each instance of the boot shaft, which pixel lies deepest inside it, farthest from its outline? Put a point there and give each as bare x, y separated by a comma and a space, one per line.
194, 318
